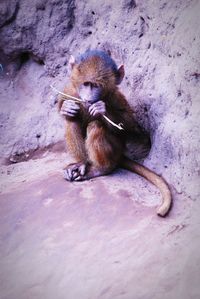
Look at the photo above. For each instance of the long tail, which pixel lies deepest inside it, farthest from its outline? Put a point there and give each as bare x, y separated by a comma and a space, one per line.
154, 179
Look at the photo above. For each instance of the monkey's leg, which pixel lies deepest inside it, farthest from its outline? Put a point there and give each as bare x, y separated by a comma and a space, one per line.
104, 151
137, 146
76, 148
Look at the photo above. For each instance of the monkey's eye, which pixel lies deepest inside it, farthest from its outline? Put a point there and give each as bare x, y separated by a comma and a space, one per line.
87, 84
90, 84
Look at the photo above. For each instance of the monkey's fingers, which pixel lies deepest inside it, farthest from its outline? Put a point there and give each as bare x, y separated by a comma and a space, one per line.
79, 178
70, 103
70, 175
97, 111
69, 111
97, 108
78, 173
70, 106
70, 114
99, 104
75, 175
67, 174
82, 169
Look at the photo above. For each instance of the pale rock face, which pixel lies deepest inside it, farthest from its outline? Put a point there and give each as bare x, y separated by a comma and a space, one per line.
158, 42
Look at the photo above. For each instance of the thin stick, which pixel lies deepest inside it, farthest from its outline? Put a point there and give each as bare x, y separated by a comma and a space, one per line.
119, 126
66, 95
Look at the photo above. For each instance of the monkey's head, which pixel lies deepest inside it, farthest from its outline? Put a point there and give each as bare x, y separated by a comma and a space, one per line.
93, 74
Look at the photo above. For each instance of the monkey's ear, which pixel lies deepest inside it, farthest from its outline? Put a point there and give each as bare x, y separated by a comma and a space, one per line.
71, 62
120, 74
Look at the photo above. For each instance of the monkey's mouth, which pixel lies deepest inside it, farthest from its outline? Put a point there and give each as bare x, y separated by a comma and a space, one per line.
92, 101
89, 102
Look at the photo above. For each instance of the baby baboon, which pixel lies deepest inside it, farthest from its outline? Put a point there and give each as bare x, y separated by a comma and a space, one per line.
96, 145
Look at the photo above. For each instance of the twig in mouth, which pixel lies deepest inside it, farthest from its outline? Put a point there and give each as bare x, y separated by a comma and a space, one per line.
119, 126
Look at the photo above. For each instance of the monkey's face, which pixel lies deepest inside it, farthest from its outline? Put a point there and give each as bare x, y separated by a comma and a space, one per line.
94, 75
90, 92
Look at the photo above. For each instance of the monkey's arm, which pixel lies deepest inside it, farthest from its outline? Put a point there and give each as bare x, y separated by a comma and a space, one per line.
75, 141
61, 98
119, 111
71, 110
74, 129
76, 148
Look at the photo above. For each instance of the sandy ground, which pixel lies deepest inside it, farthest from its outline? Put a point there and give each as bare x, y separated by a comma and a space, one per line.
95, 239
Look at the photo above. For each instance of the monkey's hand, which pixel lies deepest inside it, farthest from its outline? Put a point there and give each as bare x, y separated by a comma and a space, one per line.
70, 108
74, 171
97, 109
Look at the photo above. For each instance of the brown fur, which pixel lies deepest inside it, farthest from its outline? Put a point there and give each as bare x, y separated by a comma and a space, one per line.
96, 143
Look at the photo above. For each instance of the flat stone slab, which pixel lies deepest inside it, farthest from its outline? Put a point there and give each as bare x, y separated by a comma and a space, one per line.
95, 240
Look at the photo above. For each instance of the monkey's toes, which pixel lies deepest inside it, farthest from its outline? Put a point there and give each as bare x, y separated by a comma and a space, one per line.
66, 175
70, 175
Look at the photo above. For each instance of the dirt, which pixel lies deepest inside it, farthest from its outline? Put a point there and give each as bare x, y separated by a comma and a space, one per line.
101, 238
95, 239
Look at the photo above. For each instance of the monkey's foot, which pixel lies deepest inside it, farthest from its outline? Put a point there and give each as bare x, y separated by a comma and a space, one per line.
92, 172
75, 171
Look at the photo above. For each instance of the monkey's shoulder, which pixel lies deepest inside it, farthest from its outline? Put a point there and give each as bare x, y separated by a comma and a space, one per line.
117, 101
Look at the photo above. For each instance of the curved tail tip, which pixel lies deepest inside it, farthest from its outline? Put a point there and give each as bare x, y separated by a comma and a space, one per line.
163, 211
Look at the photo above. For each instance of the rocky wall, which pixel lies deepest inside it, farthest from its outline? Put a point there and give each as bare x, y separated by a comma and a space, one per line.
158, 42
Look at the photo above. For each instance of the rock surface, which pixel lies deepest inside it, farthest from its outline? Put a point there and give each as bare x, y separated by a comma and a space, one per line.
94, 239
158, 42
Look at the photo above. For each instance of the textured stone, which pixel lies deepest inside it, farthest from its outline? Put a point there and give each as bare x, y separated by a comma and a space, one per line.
157, 41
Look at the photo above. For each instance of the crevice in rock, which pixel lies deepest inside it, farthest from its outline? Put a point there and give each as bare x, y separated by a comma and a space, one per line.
12, 18
24, 57
129, 4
